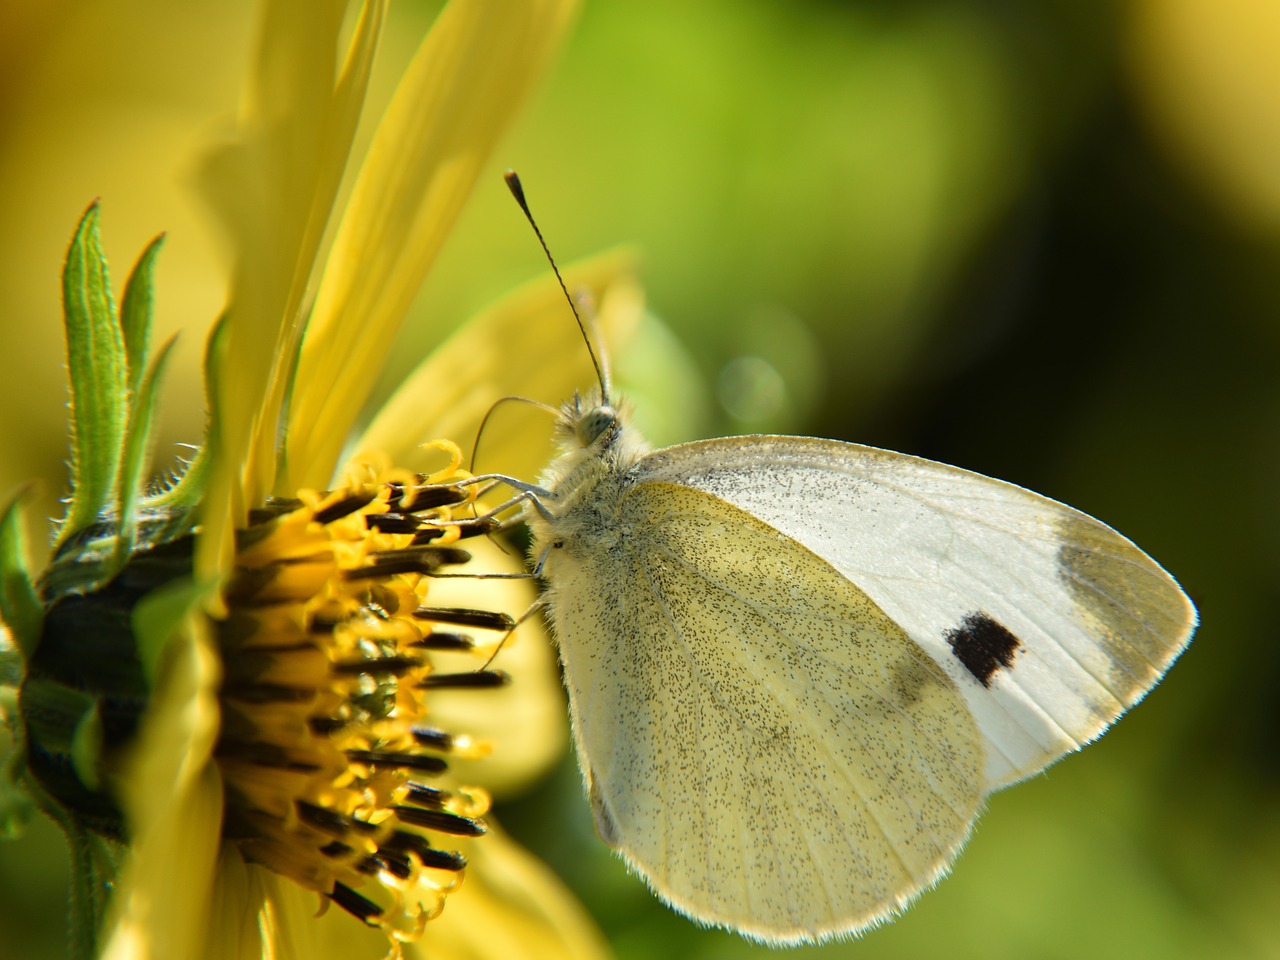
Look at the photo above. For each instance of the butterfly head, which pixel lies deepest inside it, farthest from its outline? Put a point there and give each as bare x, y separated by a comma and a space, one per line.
587, 423
594, 423
592, 429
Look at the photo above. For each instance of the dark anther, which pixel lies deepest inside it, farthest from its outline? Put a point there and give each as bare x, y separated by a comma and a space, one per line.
359, 907
478, 527
345, 507
419, 847
325, 725
442, 821
461, 617
395, 666
477, 679
267, 693
425, 796
440, 640
263, 755
432, 738
324, 820
394, 863
425, 498
424, 560
408, 761
392, 522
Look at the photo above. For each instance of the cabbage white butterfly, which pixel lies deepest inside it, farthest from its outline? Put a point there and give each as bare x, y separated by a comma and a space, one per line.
796, 667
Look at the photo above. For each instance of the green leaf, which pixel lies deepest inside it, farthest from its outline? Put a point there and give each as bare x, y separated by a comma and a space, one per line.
137, 452
20, 606
98, 371
136, 310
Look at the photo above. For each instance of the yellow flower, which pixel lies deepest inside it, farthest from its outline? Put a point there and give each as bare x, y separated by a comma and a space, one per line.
302, 683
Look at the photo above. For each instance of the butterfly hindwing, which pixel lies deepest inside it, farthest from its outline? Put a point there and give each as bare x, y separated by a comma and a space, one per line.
760, 740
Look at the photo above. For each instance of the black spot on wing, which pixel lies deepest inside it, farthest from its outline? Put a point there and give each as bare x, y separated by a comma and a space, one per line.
983, 645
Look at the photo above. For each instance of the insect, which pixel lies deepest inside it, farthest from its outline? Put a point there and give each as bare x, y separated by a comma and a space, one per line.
796, 667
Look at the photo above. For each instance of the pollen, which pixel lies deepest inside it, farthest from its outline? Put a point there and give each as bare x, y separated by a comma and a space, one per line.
331, 765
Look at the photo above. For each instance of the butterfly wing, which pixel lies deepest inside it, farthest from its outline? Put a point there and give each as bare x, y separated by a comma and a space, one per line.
758, 738
1049, 623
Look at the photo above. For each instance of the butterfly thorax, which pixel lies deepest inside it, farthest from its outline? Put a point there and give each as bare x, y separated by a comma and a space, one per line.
597, 449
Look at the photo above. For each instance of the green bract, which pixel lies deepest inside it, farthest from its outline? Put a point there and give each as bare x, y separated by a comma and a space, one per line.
114, 385
81, 663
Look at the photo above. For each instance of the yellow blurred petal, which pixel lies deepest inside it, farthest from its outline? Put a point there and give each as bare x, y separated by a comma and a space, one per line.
1209, 76
505, 351
510, 905
274, 188
526, 720
172, 797
341, 114
234, 929
475, 68
293, 930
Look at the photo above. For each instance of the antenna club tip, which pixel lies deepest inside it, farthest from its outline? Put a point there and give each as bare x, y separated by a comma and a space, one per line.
513, 184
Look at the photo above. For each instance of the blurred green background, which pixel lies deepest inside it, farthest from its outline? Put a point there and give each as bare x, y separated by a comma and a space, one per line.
1038, 240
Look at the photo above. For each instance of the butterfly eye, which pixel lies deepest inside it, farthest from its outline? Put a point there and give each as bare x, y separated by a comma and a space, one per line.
594, 423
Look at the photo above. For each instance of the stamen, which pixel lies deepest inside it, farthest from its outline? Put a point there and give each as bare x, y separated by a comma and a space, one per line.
440, 640
485, 619
427, 497
439, 820
477, 679
326, 669
354, 904
425, 796
345, 507
433, 738
423, 560
407, 761
394, 666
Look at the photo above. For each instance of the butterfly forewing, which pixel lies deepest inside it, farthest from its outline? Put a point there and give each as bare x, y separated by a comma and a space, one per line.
1050, 623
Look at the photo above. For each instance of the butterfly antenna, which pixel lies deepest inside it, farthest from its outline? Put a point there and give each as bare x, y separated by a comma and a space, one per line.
475, 447
517, 191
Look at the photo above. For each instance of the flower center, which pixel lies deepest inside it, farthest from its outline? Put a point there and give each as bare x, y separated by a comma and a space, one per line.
326, 749
330, 764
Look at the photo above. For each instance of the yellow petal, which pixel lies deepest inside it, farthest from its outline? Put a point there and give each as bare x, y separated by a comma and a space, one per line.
526, 344
476, 67
510, 905
172, 797
234, 931
274, 188
293, 930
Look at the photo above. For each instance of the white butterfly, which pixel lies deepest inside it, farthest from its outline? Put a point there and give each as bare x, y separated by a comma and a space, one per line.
796, 667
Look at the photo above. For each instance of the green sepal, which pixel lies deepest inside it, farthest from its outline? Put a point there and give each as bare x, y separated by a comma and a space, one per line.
159, 615
136, 310
20, 606
98, 370
188, 492
85, 748
16, 804
137, 452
